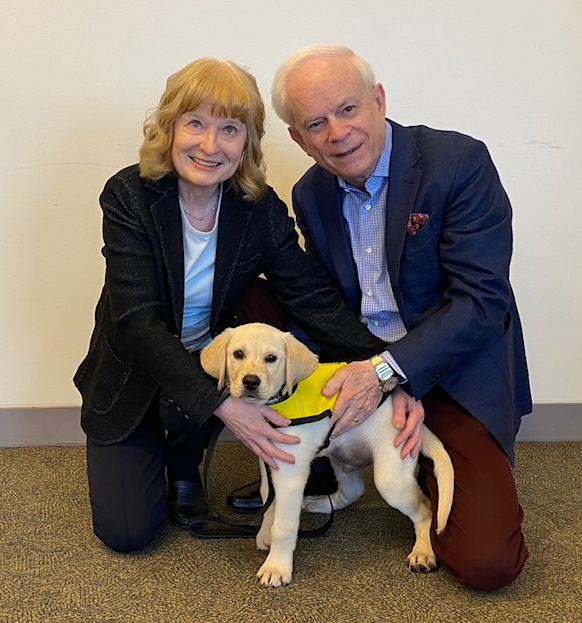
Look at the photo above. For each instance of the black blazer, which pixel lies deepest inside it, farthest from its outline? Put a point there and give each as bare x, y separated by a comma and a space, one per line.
135, 351
450, 279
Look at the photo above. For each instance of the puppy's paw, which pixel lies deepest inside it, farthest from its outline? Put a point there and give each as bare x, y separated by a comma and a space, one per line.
263, 539
422, 562
317, 504
274, 575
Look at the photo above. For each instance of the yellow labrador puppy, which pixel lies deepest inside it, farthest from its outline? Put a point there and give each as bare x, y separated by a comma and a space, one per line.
260, 363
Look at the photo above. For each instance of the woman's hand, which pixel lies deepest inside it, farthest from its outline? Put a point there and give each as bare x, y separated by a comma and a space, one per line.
408, 417
359, 395
248, 422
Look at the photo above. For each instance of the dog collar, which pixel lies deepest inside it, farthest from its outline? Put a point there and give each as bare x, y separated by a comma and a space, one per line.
278, 397
306, 403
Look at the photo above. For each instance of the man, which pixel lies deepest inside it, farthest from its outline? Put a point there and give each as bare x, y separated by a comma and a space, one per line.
413, 226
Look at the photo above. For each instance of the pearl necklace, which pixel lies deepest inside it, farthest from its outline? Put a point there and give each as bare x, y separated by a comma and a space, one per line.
212, 209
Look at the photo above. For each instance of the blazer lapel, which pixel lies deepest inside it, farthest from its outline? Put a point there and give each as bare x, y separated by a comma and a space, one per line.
167, 219
403, 183
328, 202
233, 223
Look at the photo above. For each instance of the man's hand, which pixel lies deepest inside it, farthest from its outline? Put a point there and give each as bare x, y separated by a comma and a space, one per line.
408, 417
248, 422
359, 395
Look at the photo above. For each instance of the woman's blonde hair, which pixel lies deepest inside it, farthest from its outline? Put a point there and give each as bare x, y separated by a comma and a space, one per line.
231, 92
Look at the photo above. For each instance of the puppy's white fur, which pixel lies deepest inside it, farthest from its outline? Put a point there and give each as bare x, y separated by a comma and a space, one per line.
277, 360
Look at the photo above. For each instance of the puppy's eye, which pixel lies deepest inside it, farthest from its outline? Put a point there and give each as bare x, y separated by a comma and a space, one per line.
271, 358
238, 354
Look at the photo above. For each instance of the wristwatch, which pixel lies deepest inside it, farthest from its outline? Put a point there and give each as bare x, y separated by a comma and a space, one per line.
387, 377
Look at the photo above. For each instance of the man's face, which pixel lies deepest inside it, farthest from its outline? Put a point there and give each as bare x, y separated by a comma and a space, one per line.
338, 121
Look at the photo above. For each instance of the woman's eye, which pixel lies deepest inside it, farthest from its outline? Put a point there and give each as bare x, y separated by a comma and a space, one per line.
194, 126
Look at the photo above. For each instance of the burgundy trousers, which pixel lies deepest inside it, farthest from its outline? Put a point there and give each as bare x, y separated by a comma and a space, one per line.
482, 546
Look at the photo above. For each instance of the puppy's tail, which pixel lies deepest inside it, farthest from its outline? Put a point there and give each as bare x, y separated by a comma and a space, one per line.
433, 448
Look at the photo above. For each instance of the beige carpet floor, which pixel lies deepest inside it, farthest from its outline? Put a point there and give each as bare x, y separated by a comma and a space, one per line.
53, 570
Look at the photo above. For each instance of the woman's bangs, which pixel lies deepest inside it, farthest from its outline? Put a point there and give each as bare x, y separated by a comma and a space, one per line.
232, 103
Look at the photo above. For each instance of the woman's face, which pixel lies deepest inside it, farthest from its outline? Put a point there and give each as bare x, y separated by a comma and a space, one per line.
207, 150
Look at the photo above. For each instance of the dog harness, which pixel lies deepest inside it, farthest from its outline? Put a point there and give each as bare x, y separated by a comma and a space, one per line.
306, 403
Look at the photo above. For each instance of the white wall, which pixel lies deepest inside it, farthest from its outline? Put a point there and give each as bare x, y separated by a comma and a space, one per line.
76, 78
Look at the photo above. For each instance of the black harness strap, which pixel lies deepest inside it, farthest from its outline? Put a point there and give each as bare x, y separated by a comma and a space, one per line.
214, 525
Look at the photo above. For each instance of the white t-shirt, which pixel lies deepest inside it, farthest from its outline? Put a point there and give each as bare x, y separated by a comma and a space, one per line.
199, 260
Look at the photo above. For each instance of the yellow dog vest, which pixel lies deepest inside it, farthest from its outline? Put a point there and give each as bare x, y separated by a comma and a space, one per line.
306, 403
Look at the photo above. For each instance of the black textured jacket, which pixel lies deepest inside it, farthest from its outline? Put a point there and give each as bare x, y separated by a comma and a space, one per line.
135, 351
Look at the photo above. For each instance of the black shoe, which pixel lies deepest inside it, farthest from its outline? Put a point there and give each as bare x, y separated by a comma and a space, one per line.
321, 481
186, 502
247, 499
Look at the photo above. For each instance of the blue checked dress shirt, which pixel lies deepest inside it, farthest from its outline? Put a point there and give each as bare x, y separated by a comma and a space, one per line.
365, 213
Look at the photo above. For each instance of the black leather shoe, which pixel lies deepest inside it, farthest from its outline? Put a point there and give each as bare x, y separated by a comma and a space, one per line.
321, 481
247, 499
186, 502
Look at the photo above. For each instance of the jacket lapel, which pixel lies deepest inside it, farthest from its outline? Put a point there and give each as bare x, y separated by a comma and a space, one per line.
165, 211
403, 183
233, 223
328, 202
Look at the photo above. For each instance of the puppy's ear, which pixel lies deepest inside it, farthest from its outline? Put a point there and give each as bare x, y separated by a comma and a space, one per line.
213, 357
300, 362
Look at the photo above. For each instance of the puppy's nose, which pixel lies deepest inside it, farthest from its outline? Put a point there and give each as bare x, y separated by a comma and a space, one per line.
251, 382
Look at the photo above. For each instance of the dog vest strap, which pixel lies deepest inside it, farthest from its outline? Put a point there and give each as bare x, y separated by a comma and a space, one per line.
307, 404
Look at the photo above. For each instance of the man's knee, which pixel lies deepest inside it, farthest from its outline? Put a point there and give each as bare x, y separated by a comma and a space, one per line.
490, 569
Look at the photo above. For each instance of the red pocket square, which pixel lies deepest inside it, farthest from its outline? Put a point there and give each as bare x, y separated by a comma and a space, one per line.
416, 221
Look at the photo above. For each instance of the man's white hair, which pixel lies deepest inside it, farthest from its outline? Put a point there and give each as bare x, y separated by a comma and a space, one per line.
279, 95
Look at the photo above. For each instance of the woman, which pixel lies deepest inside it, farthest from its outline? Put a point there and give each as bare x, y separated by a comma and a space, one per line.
187, 232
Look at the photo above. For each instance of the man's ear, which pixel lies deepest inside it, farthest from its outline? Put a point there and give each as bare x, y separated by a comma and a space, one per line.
379, 97
297, 138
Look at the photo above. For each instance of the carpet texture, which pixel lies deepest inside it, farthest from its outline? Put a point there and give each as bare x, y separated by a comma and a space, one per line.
53, 570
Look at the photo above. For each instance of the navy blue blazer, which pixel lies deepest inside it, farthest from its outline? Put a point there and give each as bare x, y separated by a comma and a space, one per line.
135, 352
450, 279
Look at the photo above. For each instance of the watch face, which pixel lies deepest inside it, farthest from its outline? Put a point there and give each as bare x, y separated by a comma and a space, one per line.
390, 383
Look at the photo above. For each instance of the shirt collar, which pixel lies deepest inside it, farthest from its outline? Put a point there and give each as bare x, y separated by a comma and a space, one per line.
380, 172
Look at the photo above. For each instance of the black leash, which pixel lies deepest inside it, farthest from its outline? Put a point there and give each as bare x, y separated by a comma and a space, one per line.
215, 525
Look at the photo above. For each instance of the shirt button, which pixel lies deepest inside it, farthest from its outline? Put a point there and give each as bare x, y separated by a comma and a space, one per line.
369, 250
370, 293
367, 206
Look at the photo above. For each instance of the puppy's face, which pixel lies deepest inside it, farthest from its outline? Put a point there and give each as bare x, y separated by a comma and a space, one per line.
257, 361
255, 365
